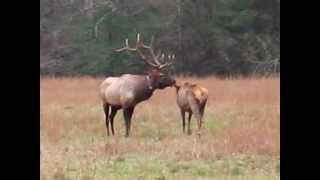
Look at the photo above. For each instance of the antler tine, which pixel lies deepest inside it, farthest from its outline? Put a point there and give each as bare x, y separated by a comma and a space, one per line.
158, 55
124, 48
151, 44
162, 57
155, 63
136, 49
139, 43
150, 48
143, 57
127, 47
165, 65
168, 63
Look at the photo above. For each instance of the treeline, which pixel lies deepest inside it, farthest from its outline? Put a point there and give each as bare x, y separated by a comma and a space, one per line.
221, 37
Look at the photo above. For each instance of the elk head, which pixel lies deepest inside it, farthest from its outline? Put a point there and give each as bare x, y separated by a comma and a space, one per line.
158, 78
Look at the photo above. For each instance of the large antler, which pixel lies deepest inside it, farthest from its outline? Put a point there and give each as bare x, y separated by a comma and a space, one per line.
156, 58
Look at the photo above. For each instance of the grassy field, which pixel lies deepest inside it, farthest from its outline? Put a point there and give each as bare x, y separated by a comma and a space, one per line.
240, 136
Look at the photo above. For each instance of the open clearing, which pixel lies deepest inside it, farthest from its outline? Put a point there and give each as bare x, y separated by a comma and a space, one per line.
240, 136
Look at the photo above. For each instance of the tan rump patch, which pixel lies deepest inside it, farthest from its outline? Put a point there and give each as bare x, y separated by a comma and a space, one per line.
200, 93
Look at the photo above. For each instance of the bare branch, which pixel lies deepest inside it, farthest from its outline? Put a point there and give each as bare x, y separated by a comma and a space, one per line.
96, 26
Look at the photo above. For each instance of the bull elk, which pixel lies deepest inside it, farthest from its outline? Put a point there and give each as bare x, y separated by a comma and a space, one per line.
191, 98
126, 91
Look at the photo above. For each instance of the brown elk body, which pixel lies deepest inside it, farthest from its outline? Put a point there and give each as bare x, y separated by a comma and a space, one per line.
191, 98
126, 91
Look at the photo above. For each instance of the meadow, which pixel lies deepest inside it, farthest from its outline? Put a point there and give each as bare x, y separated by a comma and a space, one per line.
240, 136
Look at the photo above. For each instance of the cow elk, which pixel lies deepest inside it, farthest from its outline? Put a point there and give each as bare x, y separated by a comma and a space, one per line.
126, 91
191, 98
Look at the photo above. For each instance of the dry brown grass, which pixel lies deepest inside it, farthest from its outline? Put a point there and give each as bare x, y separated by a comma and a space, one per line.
242, 117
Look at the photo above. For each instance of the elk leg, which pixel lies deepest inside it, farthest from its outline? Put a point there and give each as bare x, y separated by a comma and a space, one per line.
112, 115
195, 107
106, 112
183, 113
189, 121
127, 112
197, 115
202, 112
198, 122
